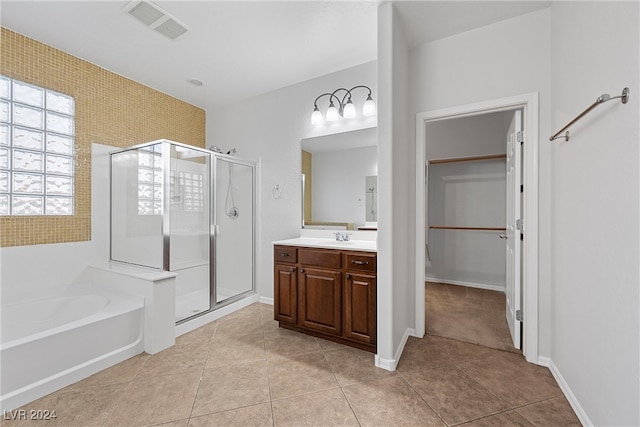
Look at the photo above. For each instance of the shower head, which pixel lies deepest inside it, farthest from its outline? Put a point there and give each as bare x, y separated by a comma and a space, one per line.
603, 98
215, 149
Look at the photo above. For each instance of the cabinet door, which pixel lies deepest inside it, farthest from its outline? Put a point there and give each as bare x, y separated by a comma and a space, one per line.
320, 300
360, 307
285, 293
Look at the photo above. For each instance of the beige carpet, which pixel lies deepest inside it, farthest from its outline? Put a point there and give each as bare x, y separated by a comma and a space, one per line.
467, 314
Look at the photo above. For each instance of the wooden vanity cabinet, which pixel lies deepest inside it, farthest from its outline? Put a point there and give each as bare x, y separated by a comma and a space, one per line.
285, 281
360, 297
329, 293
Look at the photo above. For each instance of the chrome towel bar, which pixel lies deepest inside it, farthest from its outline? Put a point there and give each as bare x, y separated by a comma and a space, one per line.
600, 100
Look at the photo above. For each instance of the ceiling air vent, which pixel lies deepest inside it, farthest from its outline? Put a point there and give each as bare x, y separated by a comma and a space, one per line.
156, 18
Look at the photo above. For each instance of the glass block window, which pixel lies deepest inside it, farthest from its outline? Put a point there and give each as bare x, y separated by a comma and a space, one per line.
150, 180
37, 128
192, 191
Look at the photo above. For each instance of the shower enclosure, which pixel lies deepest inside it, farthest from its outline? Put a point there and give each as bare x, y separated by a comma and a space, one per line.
190, 211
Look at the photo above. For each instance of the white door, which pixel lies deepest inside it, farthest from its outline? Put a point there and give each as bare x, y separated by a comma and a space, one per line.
512, 235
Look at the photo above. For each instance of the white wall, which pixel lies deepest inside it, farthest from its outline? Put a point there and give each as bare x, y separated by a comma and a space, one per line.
269, 128
396, 190
505, 59
467, 136
61, 264
595, 197
338, 184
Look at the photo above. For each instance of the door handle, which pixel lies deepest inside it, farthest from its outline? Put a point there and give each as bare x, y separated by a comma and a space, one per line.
503, 236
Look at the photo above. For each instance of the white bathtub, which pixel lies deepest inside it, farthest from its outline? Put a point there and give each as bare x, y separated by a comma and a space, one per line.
50, 343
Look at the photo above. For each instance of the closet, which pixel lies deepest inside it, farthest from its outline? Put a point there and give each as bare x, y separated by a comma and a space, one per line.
465, 267
466, 216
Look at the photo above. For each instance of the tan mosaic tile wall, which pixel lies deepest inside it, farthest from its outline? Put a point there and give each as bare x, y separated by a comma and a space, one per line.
110, 109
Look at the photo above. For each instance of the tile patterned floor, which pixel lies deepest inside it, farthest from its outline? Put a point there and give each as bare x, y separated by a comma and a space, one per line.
468, 314
244, 371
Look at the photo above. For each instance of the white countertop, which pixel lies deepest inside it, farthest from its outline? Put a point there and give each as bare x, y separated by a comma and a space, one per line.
312, 242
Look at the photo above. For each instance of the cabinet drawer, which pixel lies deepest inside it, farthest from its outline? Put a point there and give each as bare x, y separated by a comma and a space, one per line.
321, 258
285, 254
361, 261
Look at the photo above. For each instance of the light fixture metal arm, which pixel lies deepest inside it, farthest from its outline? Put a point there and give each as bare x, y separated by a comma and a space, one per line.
331, 95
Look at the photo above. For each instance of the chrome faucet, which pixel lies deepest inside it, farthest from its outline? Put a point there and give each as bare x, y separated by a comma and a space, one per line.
342, 237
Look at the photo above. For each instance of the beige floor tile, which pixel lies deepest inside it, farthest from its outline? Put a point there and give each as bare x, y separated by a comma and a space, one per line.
202, 335
431, 352
228, 350
266, 312
232, 387
504, 374
176, 359
325, 408
256, 415
253, 311
248, 324
123, 372
284, 342
552, 412
300, 374
389, 402
155, 400
505, 419
351, 365
329, 345
454, 396
89, 406
179, 423
467, 314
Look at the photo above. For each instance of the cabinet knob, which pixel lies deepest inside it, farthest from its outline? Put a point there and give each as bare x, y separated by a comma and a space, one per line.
284, 254
302, 270
292, 269
348, 276
358, 262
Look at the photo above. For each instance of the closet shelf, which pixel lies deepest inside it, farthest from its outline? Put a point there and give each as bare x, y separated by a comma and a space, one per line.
442, 227
468, 159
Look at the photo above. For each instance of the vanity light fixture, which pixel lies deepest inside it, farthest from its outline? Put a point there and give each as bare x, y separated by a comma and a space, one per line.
345, 108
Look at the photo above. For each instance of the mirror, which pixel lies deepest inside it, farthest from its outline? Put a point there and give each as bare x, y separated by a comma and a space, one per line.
340, 189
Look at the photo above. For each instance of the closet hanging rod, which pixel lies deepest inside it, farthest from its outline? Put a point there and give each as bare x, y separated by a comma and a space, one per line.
600, 100
442, 227
468, 159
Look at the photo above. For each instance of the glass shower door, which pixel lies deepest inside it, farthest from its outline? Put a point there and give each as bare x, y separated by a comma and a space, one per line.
234, 229
189, 224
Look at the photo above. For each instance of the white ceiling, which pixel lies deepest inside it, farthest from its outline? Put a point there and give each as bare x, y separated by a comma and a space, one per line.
239, 49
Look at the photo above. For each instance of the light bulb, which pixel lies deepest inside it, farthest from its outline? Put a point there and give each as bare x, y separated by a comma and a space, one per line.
369, 107
349, 111
316, 116
332, 113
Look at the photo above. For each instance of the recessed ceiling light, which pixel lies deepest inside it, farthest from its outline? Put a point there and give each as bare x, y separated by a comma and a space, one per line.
195, 82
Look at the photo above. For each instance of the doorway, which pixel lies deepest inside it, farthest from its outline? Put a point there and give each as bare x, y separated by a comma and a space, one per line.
528, 105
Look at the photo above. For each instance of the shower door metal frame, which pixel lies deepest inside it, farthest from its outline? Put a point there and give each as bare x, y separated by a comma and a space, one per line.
214, 229
166, 217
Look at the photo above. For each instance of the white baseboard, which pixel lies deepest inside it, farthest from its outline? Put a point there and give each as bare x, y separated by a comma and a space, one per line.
544, 361
573, 401
467, 284
265, 300
392, 364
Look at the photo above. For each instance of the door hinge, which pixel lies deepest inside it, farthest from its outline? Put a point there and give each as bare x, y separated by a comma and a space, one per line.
519, 315
520, 137
519, 225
